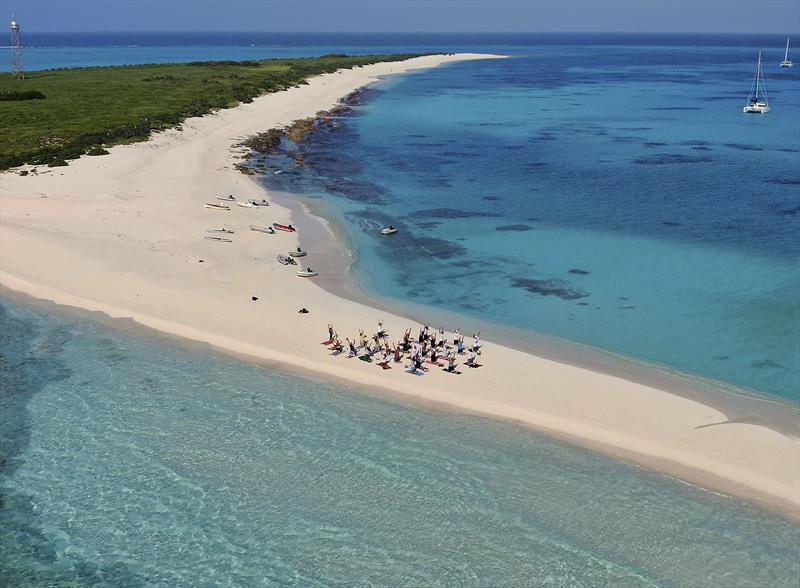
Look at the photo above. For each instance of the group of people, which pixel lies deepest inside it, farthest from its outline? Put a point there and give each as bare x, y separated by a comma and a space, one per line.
428, 347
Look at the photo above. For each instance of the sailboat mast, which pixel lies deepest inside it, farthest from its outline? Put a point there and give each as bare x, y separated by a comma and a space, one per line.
786, 55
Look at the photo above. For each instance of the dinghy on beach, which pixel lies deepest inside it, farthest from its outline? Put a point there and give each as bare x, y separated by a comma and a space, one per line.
220, 230
287, 228
214, 206
306, 273
285, 260
267, 230
228, 198
298, 253
246, 204
261, 202
221, 239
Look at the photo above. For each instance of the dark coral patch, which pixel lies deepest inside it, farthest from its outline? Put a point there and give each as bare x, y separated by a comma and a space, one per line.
670, 158
744, 147
553, 287
514, 228
579, 272
452, 213
767, 363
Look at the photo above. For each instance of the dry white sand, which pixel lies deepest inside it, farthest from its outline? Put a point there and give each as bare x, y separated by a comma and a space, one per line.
124, 234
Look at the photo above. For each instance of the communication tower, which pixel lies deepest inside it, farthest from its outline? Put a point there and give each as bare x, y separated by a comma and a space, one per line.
16, 52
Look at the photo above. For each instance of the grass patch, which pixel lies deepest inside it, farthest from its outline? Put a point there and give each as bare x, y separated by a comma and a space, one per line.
88, 108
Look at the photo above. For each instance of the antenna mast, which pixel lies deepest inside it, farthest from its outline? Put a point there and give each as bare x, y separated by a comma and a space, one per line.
16, 52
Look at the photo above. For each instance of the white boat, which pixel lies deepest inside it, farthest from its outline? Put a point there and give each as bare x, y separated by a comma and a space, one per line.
222, 239
261, 202
306, 273
213, 206
786, 61
298, 253
268, 230
220, 230
390, 230
228, 198
246, 204
757, 99
285, 260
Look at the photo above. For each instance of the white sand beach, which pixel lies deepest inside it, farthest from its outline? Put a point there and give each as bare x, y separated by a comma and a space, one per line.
124, 234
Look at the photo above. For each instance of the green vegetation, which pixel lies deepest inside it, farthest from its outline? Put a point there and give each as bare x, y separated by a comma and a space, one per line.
90, 108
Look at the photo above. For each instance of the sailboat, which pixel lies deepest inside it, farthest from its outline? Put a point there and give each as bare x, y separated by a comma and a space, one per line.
786, 61
757, 99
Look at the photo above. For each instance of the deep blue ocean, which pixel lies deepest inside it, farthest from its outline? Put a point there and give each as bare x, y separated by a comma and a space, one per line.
604, 189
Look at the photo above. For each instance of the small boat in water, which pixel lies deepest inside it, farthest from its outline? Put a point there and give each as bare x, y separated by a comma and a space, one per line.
246, 204
214, 206
288, 228
228, 198
298, 253
390, 230
267, 230
757, 99
221, 239
285, 260
786, 61
220, 230
306, 273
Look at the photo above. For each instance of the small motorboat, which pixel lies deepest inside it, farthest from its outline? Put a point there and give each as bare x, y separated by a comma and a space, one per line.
228, 198
286, 260
306, 273
390, 230
246, 204
298, 253
267, 230
261, 202
214, 206
288, 228
220, 230
221, 239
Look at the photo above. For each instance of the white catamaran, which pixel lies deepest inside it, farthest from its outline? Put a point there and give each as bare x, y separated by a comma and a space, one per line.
786, 61
757, 99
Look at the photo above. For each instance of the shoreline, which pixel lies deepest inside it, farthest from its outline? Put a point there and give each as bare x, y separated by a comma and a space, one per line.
137, 215
739, 404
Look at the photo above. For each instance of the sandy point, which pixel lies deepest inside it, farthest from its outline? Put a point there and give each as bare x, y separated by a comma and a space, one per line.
125, 234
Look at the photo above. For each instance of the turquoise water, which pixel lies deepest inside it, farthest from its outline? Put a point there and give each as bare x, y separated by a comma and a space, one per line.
128, 461
603, 188
610, 195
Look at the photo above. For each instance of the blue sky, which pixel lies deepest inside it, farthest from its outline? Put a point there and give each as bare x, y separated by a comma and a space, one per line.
755, 16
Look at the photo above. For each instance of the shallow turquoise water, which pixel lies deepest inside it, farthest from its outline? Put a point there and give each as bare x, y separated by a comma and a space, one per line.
130, 462
610, 195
